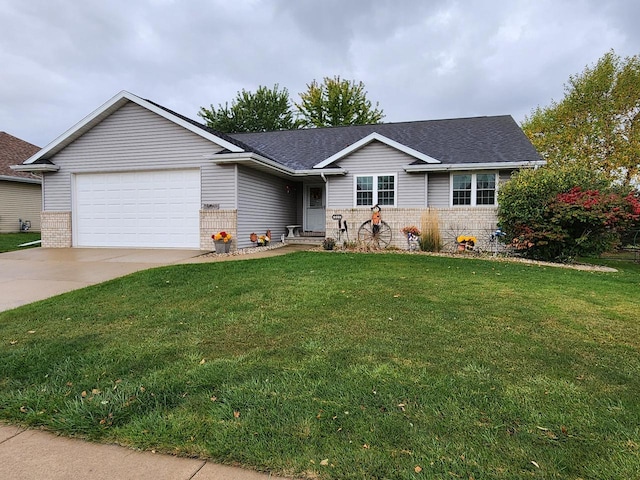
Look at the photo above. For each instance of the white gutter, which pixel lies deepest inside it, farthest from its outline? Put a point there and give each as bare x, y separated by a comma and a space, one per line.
9, 178
472, 166
35, 167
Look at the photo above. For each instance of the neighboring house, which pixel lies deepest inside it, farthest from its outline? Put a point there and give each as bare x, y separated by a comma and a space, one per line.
20, 192
135, 174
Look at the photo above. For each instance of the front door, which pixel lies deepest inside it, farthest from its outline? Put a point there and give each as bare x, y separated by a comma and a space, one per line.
314, 201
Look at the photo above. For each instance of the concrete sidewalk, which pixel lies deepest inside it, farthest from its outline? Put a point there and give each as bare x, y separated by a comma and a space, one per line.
35, 454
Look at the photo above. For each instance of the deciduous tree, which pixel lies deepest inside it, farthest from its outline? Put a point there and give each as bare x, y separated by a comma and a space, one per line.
597, 123
337, 102
265, 110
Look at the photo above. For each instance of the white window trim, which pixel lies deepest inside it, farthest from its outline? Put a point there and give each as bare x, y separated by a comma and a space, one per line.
474, 188
375, 189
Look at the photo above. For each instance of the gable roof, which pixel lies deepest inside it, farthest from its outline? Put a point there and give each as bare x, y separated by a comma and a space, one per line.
478, 142
380, 138
116, 103
459, 141
14, 151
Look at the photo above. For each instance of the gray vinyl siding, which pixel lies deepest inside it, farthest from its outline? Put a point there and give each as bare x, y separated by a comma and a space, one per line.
438, 190
263, 204
377, 159
504, 176
133, 138
19, 200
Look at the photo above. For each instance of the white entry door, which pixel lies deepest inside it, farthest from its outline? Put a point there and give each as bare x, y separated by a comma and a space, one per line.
155, 209
314, 208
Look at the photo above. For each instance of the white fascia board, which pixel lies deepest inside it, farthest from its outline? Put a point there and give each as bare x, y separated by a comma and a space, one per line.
473, 166
36, 167
111, 106
239, 158
381, 138
8, 178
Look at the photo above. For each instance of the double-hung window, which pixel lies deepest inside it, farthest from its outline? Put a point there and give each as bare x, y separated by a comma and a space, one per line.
474, 189
375, 190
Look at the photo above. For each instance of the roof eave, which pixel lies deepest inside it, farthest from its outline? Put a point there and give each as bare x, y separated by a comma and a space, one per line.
268, 164
36, 167
473, 166
9, 178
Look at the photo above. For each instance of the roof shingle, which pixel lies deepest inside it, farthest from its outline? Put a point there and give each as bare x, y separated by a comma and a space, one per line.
14, 151
454, 141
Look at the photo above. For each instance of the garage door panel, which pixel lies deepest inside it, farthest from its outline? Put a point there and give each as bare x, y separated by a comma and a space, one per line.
138, 209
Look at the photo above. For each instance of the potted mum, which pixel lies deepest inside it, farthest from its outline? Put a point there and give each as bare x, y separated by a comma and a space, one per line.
222, 241
261, 240
466, 242
413, 234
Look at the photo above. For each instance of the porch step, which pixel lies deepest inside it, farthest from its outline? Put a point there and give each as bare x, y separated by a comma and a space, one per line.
306, 238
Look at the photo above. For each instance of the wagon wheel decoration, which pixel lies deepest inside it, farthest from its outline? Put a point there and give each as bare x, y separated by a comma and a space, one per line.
375, 232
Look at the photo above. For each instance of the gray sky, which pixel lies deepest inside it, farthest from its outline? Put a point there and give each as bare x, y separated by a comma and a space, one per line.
420, 59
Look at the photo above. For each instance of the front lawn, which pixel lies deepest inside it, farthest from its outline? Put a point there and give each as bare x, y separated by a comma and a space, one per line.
332, 365
10, 241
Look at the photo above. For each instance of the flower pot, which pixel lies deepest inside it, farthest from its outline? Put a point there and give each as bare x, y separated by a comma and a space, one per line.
222, 246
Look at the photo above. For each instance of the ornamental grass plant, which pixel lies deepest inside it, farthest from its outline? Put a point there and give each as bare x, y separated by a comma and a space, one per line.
430, 239
349, 366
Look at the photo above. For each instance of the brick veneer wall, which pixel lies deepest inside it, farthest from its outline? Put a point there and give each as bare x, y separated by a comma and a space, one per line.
477, 221
213, 221
55, 229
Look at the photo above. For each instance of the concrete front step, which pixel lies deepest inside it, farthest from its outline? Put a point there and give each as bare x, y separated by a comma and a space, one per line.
304, 240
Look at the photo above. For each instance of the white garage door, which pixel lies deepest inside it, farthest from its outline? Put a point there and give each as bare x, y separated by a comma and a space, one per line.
157, 209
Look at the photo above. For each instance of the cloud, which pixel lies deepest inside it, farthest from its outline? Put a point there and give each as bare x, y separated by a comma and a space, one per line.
62, 59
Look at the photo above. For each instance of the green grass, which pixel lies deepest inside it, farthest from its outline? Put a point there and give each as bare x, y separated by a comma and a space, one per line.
333, 365
10, 241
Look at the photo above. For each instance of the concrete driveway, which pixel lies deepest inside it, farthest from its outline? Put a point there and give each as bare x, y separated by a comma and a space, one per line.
38, 273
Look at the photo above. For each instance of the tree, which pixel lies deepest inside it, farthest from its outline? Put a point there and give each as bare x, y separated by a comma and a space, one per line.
559, 212
337, 102
597, 123
262, 111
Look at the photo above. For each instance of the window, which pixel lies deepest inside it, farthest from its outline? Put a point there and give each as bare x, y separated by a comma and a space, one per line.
375, 189
473, 189
485, 189
462, 189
